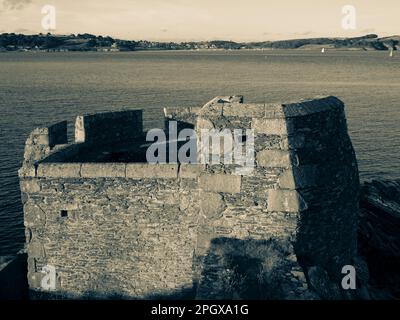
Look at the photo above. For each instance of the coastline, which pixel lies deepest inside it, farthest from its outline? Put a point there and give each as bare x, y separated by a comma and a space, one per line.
89, 42
266, 50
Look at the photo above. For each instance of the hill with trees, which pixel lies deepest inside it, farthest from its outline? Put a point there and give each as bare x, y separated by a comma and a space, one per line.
89, 42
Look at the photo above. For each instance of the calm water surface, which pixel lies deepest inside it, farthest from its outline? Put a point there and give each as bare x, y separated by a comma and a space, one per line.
42, 88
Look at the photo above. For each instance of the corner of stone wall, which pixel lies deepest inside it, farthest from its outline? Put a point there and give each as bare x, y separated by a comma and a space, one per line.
39, 144
306, 144
323, 177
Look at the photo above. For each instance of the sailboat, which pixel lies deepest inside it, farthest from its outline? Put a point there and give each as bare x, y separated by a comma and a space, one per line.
391, 53
323, 50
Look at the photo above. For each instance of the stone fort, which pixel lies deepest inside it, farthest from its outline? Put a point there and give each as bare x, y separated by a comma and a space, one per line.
114, 225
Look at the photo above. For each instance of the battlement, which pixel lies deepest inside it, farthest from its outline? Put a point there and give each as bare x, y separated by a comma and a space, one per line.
111, 223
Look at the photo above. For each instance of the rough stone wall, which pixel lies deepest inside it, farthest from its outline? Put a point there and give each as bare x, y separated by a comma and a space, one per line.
303, 190
123, 230
325, 175
41, 141
140, 230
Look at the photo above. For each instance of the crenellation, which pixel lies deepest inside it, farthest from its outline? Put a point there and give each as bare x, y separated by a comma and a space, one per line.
109, 127
112, 223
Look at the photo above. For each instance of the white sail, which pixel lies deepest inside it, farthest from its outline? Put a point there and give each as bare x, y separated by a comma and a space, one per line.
323, 50
391, 53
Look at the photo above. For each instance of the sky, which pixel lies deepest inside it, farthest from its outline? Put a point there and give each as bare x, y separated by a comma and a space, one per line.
201, 20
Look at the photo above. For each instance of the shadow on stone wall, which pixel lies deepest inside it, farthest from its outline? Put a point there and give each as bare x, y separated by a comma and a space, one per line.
249, 269
180, 294
232, 269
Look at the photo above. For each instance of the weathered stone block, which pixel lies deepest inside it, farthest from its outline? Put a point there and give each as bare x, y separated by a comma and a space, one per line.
185, 202
298, 177
34, 216
30, 185
35, 152
279, 126
151, 171
190, 171
59, 170
35, 279
213, 108
42, 139
103, 170
308, 107
79, 129
244, 110
274, 158
211, 204
203, 243
220, 183
285, 201
204, 124
27, 170
31, 264
36, 250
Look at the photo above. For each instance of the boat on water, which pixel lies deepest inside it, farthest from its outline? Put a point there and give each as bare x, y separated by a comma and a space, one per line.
391, 53
323, 50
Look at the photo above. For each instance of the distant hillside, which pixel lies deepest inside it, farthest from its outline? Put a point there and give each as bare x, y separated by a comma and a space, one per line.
88, 42
368, 42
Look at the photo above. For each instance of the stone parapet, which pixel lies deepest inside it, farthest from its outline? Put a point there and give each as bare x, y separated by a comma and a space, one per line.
144, 230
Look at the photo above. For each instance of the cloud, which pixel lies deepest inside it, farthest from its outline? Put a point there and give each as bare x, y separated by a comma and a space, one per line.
15, 4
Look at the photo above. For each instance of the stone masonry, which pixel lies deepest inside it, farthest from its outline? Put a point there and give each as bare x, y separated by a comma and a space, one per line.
138, 230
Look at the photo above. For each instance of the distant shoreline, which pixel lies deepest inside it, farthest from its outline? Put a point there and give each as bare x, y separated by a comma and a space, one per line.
327, 50
87, 42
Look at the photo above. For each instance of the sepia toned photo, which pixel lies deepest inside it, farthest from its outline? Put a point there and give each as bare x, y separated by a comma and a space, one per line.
201, 151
